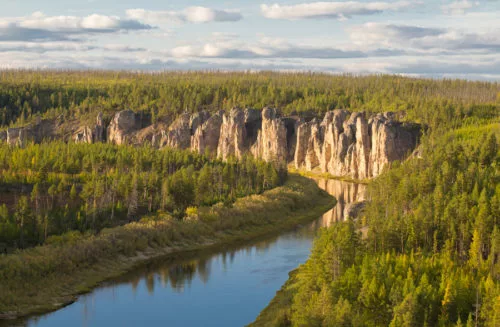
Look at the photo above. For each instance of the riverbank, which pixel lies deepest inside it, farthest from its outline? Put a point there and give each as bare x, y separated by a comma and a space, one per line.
278, 311
49, 277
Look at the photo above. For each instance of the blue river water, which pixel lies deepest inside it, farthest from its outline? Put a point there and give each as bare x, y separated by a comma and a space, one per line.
221, 288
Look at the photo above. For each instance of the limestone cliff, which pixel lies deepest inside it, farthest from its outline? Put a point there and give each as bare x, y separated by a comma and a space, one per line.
271, 143
178, 134
35, 132
206, 135
238, 132
123, 124
342, 143
91, 134
352, 144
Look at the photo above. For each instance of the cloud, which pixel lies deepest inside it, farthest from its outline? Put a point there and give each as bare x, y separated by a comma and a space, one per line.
122, 48
390, 35
459, 7
188, 15
461, 67
424, 38
268, 48
45, 47
41, 28
339, 10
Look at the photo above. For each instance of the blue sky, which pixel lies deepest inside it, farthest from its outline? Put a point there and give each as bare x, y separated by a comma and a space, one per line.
440, 38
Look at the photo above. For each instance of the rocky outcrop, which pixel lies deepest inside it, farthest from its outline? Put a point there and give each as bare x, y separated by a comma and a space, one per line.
206, 136
342, 143
391, 141
92, 135
350, 144
36, 132
84, 136
271, 143
17, 136
179, 133
123, 124
99, 133
238, 132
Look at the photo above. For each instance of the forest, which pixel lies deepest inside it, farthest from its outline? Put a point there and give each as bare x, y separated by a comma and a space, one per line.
431, 257
26, 94
53, 188
431, 254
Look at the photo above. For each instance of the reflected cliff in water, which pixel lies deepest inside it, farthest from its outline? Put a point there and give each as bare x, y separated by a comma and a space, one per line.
345, 193
219, 287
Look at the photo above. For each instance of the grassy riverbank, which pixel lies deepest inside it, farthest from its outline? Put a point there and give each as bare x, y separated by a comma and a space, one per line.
48, 277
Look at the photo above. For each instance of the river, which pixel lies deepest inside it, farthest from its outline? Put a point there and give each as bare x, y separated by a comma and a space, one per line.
222, 288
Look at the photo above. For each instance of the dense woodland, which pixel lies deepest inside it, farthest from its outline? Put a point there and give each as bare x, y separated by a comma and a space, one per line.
431, 256
52, 188
81, 94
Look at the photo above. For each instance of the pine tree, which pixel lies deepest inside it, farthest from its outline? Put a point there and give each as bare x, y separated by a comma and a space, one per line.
488, 151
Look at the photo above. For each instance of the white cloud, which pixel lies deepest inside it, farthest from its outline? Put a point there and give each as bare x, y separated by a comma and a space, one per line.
389, 35
270, 48
339, 10
190, 14
417, 38
45, 47
122, 48
61, 47
459, 7
442, 67
155, 16
39, 27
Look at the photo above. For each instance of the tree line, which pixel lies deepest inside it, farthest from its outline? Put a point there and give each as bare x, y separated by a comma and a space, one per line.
56, 187
81, 94
431, 256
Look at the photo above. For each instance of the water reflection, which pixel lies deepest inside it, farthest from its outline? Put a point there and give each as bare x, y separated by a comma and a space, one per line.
219, 287
345, 193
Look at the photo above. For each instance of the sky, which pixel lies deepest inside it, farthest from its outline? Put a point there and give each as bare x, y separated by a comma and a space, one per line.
429, 38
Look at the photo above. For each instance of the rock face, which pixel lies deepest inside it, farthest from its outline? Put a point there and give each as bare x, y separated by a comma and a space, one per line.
186, 128
122, 125
391, 141
84, 136
271, 144
350, 144
342, 143
99, 133
179, 133
206, 136
238, 132
36, 132
17, 136
92, 135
